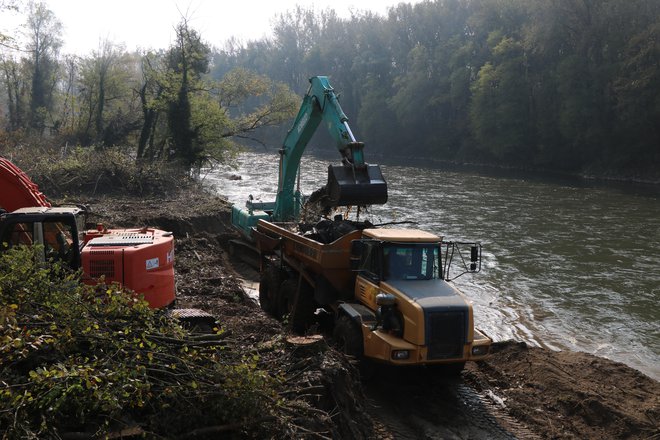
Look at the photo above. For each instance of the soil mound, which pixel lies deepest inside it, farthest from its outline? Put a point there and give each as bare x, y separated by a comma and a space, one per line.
568, 394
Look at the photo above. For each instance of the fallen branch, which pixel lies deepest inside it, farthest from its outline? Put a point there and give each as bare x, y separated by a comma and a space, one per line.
200, 432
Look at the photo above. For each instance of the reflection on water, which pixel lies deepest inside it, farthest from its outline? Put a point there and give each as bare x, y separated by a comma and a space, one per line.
565, 266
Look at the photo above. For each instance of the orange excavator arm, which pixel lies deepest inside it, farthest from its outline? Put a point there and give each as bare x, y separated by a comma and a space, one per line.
17, 190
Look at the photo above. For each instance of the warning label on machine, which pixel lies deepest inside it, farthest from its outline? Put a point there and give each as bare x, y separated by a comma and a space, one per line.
152, 263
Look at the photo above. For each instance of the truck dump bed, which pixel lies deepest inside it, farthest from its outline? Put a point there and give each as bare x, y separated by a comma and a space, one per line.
331, 260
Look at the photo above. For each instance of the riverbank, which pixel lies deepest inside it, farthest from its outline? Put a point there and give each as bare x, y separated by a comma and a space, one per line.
527, 392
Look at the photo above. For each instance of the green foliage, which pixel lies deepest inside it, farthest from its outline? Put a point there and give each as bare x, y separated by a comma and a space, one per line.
99, 106
79, 358
164, 101
73, 171
43, 31
499, 113
562, 85
204, 116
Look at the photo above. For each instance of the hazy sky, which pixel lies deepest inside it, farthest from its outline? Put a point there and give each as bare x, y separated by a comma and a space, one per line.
149, 23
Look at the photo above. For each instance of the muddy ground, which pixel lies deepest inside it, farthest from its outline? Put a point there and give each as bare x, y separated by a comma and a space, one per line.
519, 392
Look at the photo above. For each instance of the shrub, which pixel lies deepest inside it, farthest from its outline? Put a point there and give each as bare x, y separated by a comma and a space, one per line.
97, 359
90, 171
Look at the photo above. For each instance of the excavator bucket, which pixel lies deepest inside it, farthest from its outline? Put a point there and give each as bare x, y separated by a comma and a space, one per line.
355, 186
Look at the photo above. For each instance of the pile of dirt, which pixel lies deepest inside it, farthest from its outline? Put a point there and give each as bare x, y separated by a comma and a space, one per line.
524, 392
569, 395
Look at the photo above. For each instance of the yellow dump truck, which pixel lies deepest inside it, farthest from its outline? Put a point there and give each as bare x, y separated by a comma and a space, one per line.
386, 291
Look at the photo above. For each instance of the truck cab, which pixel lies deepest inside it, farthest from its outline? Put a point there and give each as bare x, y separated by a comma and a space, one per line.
406, 310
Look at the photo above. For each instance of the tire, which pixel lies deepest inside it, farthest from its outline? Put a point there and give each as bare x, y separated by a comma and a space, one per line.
286, 289
268, 286
348, 337
301, 312
302, 316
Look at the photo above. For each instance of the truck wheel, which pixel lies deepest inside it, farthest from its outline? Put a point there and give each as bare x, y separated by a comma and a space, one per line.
348, 337
268, 285
281, 306
301, 313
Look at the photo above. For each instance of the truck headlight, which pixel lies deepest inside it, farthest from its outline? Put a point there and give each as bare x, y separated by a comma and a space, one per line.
480, 350
400, 355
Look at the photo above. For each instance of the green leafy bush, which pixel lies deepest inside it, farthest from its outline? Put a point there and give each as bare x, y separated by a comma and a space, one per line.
97, 359
89, 171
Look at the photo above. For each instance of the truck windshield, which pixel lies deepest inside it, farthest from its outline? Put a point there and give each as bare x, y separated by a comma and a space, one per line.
412, 261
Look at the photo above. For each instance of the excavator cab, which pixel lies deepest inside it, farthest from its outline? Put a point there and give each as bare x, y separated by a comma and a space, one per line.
56, 229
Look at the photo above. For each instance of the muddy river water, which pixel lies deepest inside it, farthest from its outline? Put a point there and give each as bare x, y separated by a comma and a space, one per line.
566, 265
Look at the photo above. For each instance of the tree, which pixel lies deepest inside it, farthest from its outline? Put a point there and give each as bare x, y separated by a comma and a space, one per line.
296, 32
500, 113
192, 118
637, 88
108, 112
151, 96
5, 39
44, 41
187, 61
16, 88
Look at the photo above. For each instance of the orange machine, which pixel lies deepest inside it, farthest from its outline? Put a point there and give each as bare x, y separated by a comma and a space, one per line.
140, 259
18, 191
386, 289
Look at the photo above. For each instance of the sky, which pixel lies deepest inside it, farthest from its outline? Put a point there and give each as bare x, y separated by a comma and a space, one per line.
149, 23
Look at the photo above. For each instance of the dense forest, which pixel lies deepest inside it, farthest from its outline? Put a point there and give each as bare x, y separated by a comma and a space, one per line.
564, 85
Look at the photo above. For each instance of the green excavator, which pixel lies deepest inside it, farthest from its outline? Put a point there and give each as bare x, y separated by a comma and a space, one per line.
353, 183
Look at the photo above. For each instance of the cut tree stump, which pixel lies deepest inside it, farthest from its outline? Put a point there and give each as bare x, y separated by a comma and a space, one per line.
306, 345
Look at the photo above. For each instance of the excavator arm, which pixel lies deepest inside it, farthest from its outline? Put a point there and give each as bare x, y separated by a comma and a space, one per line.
352, 183
18, 191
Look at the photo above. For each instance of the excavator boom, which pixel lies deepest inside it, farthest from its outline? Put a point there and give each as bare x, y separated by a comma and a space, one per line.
18, 191
353, 183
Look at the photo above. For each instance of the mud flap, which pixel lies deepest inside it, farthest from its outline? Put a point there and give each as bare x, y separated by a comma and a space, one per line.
355, 186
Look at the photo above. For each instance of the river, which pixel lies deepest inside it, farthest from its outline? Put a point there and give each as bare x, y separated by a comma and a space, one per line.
566, 264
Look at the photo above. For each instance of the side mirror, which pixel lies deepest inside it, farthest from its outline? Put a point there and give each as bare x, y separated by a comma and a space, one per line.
475, 257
